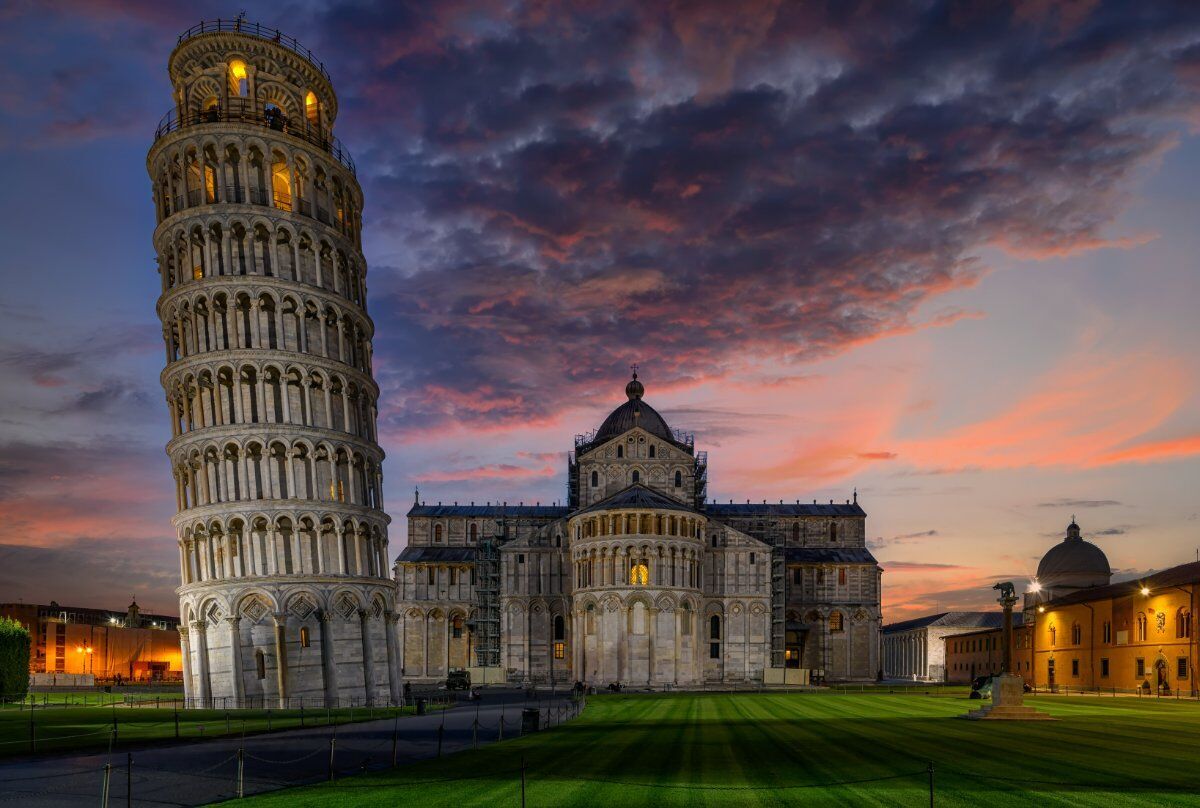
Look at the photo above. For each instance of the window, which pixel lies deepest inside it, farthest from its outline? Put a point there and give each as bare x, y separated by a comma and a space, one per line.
1107, 629
559, 628
1141, 627
1053, 636
1076, 634
1181, 668
595, 480
797, 575
437, 533
714, 627
833, 531
1140, 667
311, 109
795, 531
281, 185
752, 559
841, 576
520, 558
260, 665
304, 642
560, 650
639, 574
474, 533
637, 477
679, 479
1183, 623
1075, 667
432, 575
620, 451
456, 627
714, 650
239, 83
835, 622
1104, 668
652, 450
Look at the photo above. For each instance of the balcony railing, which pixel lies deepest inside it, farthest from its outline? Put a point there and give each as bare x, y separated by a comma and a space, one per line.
243, 113
241, 26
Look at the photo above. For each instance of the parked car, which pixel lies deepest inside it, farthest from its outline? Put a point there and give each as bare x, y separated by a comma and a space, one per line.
458, 680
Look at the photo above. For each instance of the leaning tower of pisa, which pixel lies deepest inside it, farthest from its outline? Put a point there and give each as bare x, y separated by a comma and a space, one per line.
285, 595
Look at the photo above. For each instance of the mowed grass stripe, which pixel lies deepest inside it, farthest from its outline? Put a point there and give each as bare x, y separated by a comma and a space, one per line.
637, 750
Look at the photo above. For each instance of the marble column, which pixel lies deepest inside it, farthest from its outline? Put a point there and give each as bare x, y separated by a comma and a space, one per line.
393, 665
328, 670
281, 658
200, 630
364, 621
235, 660
186, 656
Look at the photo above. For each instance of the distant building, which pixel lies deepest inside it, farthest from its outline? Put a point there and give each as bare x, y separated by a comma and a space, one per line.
72, 639
914, 649
1083, 632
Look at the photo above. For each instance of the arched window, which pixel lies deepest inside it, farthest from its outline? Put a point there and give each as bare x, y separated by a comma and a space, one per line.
1076, 634
304, 642
833, 531
456, 627
437, 532
714, 627
311, 110
1141, 627
281, 185
260, 665
639, 573
239, 82
560, 628
620, 451
637, 476
678, 479
474, 533
652, 450
595, 479
686, 628
1183, 623
835, 622
1053, 635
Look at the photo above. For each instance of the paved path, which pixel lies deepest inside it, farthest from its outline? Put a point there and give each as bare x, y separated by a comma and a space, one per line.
198, 773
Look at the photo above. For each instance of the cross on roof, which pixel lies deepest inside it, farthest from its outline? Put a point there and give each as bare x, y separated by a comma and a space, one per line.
634, 368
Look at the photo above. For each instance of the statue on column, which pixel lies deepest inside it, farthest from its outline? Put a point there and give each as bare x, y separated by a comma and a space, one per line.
1008, 689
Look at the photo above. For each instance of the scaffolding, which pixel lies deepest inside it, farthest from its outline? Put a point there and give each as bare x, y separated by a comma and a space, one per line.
487, 603
572, 480
701, 481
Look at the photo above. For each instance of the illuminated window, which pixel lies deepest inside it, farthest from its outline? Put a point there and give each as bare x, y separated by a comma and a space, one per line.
281, 185
1183, 623
304, 642
835, 622
239, 83
311, 110
639, 574
560, 650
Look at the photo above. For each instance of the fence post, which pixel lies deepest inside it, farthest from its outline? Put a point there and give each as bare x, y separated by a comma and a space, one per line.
500, 737
332, 742
439, 752
129, 780
395, 738
104, 785
930, 784
475, 735
241, 783
176, 721
32, 731
302, 711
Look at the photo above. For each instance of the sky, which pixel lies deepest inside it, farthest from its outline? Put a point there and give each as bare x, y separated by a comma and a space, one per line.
941, 253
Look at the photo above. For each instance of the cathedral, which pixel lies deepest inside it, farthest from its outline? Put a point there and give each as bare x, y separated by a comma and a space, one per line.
638, 579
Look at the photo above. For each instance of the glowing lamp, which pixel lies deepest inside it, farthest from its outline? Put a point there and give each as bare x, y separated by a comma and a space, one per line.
1041, 609
1145, 590
1034, 586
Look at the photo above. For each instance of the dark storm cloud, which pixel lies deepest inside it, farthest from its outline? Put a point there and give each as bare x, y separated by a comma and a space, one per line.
568, 190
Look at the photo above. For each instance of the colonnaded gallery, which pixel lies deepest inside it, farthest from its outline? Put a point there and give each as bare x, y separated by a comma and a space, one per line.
287, 593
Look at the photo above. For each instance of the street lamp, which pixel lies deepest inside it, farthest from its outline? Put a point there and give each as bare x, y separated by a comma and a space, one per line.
1145, 590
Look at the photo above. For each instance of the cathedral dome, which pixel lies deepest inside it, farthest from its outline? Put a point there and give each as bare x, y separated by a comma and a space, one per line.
1074, 563
633, 412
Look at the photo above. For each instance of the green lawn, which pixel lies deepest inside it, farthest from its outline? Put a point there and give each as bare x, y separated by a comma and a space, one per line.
785, 749
71, 728
92, 698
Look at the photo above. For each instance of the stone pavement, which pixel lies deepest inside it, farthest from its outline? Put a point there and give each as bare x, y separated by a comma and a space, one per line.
197, 773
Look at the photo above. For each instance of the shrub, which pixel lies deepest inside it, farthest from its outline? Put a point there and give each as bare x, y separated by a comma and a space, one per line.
14, 660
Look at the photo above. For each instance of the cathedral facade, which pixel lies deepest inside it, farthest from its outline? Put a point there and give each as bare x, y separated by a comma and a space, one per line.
638, 578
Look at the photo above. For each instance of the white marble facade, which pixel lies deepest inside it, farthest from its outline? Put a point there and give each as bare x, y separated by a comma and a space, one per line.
286, 596
638, 579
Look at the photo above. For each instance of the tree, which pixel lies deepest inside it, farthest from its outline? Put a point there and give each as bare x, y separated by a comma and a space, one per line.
14, 660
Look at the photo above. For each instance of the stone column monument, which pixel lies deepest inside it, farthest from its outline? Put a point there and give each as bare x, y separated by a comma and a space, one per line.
1008, 689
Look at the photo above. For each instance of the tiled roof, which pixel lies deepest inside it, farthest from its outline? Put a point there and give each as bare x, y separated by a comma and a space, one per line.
753, 509
1183, 575
828, 555
496, 511
949, 620
436, 555
638, 496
